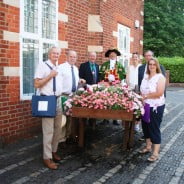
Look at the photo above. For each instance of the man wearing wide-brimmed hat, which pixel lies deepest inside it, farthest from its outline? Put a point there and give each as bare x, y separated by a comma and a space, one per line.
112, 66
112, 70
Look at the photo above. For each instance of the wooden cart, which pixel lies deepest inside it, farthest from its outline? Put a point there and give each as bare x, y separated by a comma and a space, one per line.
126, 117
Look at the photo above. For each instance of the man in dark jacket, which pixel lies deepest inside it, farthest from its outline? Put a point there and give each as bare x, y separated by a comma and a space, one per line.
90, 70
142, 69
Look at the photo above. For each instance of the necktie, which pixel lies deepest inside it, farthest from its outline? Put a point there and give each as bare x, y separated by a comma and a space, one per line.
94, 73
73, 80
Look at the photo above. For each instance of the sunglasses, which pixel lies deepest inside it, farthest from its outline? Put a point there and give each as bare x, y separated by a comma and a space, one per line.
151, 64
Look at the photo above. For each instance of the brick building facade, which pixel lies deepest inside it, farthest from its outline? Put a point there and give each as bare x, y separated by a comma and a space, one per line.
28, 28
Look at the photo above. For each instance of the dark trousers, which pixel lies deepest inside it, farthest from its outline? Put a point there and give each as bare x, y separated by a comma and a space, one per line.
152, 130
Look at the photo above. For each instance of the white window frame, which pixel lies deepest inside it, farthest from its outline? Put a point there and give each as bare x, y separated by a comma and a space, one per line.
33, 36
125, 55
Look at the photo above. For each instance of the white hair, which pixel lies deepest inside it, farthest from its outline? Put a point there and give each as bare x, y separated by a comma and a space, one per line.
70, 52
53, 47
92, 52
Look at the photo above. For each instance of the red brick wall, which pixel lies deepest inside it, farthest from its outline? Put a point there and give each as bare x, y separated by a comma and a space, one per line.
111, 12
76, 36
15, 115
62, 31
123, 12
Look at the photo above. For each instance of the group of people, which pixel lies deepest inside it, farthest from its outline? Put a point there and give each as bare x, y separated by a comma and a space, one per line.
147, 77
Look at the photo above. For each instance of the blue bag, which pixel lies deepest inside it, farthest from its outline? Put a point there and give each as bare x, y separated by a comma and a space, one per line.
45, 106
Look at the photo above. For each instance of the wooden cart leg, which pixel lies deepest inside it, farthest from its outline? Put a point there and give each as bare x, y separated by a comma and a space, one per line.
81, 132
93, 124
126, 135
131, 134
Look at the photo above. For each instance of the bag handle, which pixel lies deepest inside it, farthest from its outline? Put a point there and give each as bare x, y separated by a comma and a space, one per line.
54, 79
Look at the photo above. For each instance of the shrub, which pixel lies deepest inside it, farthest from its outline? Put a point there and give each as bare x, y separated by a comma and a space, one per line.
176, 67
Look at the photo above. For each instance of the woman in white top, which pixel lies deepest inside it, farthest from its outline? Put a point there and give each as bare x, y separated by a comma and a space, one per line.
132, 74
152, 90
132, 79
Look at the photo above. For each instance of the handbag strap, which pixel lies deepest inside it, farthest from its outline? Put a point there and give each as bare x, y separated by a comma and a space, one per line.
54, 79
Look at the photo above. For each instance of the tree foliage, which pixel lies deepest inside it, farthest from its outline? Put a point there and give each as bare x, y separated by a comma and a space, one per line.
164, 27
176, 67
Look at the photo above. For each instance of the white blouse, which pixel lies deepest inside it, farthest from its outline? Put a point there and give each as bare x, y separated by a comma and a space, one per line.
150, 86
133, 75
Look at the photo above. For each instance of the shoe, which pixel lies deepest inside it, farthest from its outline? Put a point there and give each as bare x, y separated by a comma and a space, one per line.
56, 157
145, 150
153, 158
115, 122
50, 164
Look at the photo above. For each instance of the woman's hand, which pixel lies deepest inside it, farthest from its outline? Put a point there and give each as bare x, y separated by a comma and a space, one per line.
144, 97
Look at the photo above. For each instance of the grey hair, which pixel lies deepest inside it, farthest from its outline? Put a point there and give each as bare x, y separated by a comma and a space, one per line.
70, 51
150, 52
53, 47
92, 52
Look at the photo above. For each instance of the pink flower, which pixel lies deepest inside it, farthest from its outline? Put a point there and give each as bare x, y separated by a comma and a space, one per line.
106, 98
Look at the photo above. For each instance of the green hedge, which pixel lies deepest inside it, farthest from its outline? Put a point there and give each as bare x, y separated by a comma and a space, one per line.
176, 67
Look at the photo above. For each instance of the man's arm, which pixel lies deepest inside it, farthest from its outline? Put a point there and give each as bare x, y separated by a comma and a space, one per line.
140, 74
97, 73
121, 71
81, 71
163, 70
39, 83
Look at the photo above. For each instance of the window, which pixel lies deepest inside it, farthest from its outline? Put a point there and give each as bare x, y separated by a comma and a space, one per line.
39, 31
124, 44
30, 58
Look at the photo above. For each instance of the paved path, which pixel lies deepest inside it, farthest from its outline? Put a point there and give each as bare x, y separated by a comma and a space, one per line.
103, 160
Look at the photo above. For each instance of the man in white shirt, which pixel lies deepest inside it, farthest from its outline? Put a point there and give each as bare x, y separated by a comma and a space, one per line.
70, 81
51, 127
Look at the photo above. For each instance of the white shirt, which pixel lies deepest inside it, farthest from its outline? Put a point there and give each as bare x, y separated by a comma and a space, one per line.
150, 86
112, 64
43, 71
66, 74
133, 75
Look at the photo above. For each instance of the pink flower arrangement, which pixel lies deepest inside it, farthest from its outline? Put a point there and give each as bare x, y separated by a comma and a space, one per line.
102, 97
